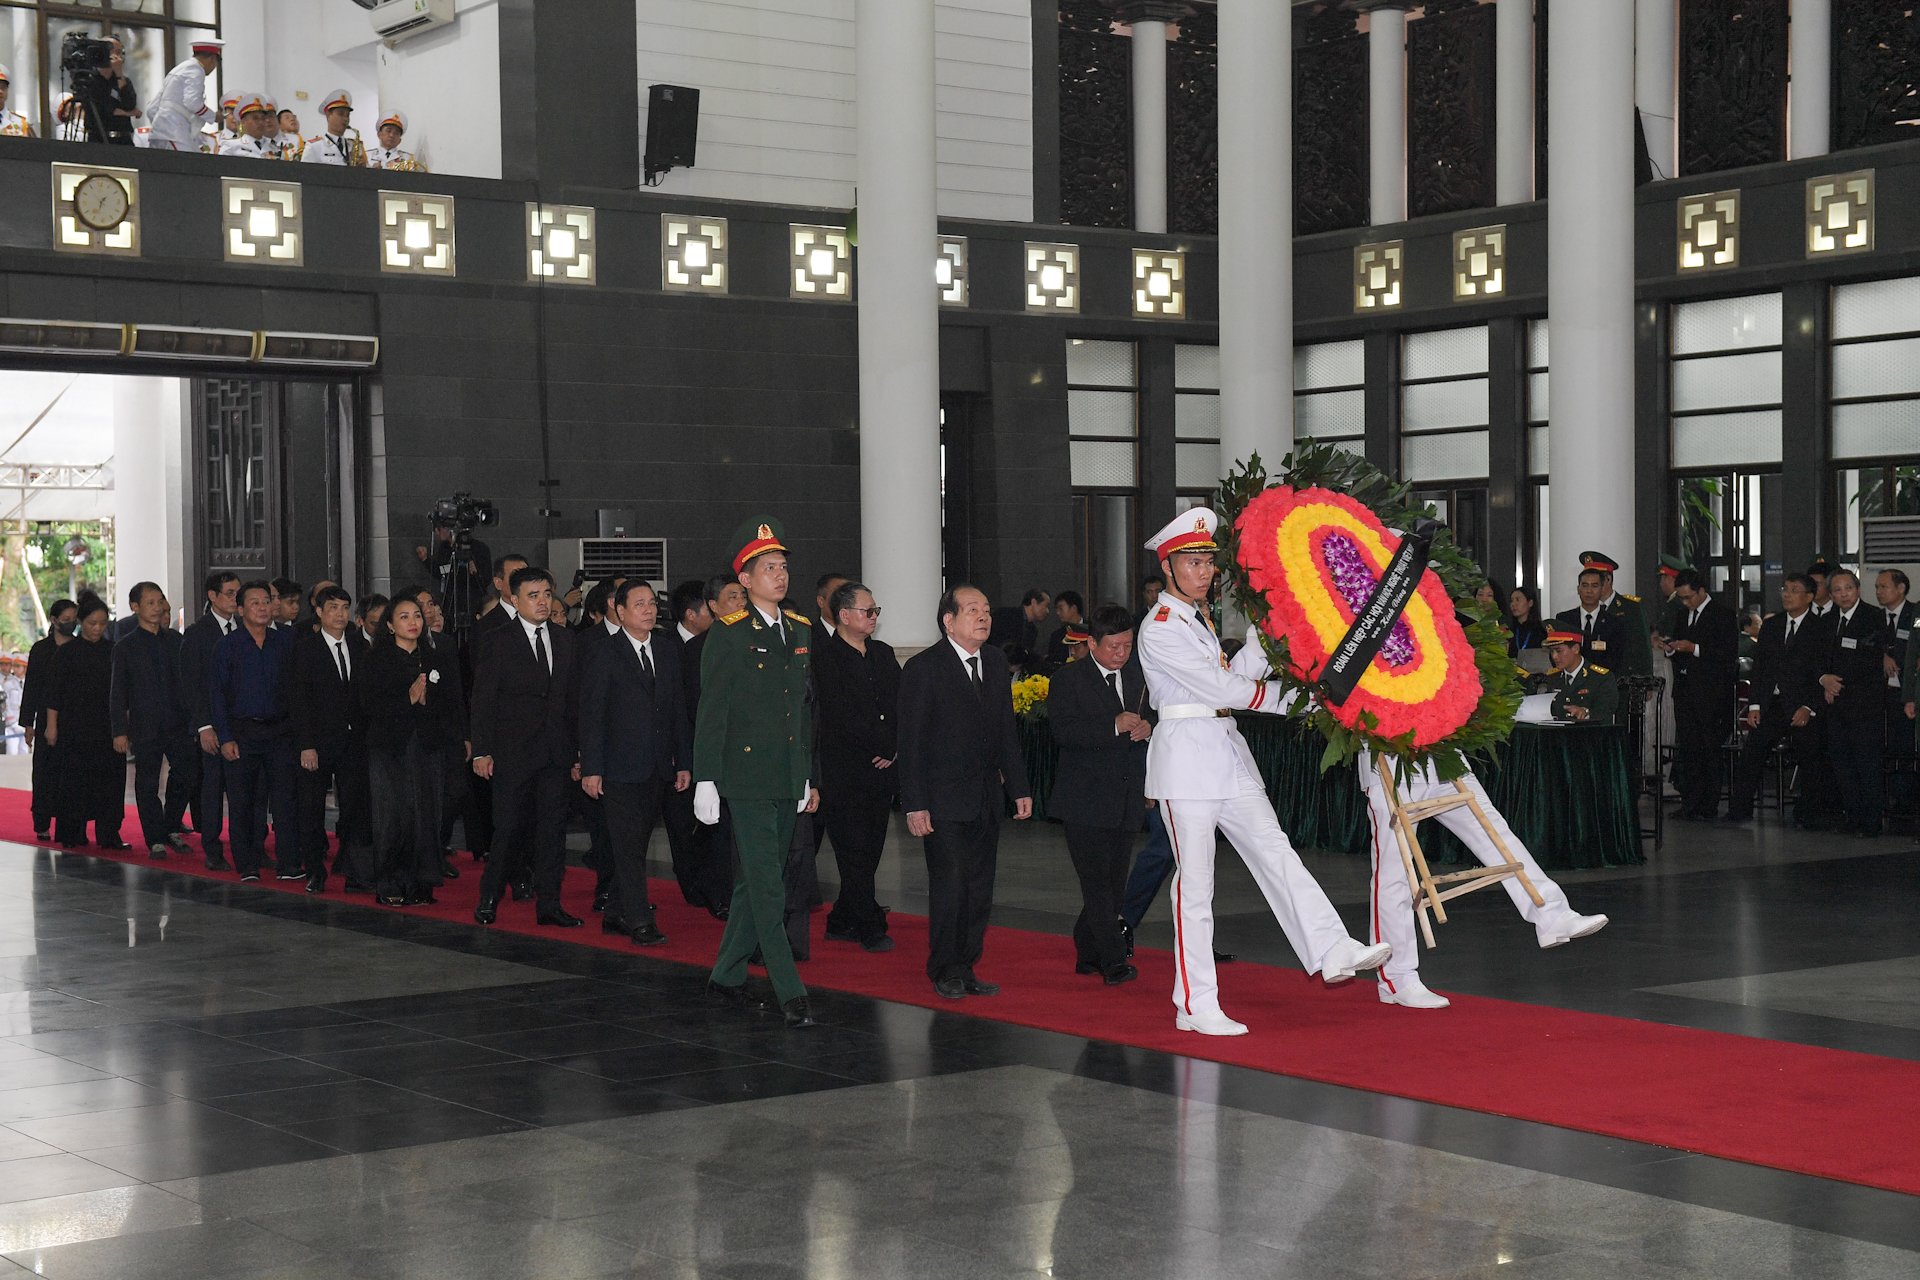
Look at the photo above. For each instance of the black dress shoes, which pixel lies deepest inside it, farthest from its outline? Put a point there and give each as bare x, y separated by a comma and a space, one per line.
736, 997
879, 944
487, 912
614, 924
719, 913
1224, 957
1121, 973
522, 890
798, 1013
647, 934
447, 870
558, 918
291, 875
952, 988
115, 846
316, 886
216, 863
1085, 967
600, 899
975, 987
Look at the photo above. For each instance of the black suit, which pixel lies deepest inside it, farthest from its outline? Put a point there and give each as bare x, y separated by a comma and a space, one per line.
634, 737
1783, 681
1703, 703
1899, 631
1012, 630
1608, 640
1100, 793
856, 715
146, 709
959, 755
590, 635
196, 691
702, 855
523, 718
1853, 724
327, 721
35, 689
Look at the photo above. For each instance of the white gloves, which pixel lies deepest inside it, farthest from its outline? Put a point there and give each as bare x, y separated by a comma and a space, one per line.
706, 803
806, 793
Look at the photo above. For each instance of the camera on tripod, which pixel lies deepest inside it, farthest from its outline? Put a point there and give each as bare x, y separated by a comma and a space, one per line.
463, 512
82, 55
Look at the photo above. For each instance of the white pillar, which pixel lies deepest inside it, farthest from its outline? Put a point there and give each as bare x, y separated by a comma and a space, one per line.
1653, 83
1149, 19
1256, 231
899, 316
1590, 283
1387, 110
1810, 87
1513, 98
147, 524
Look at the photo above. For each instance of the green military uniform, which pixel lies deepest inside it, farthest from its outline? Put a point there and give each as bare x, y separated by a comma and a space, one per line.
1635, 648
1586, 686
753, 739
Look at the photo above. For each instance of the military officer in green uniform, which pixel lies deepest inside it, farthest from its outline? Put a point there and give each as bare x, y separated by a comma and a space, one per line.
753, 747
1672, 612
1611, 623
1583, 693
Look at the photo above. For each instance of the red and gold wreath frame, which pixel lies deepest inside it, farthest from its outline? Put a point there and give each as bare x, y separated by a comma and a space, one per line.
1315, 557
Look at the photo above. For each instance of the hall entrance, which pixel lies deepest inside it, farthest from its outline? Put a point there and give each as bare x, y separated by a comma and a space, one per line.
1725, 518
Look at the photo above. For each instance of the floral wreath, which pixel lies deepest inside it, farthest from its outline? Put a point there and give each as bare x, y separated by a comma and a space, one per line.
1303, 552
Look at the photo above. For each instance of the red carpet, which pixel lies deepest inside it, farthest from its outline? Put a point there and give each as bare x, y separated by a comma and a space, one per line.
1848, 1116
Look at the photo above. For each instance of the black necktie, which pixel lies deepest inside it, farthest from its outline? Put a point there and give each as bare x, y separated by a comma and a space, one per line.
1792, 624
1693, 616
646, 664
1113, 683
340, 657
973, 668
540, 649
1586, 628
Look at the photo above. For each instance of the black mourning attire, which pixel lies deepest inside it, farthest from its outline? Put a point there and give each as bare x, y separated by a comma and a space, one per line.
857, 698
1703, 703
406, 773
523, 717
92, 776
1100, 793
147, 709
35, 692
324, 687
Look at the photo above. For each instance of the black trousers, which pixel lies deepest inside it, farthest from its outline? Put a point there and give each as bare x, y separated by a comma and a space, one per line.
702, 855
476, 814
1776, 723
630, 811
46, 785
961, 858
93, 784
1100, 856
406, 784
529, 831
343, 767
161, 813
210, 802
261, 777
592, 814
456, 778
1701, 726
858, 827
1855, 748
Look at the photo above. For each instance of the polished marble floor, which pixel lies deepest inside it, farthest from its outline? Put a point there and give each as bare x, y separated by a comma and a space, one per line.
200, 1080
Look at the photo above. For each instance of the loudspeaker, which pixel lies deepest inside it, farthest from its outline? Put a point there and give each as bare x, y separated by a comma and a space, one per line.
673, 128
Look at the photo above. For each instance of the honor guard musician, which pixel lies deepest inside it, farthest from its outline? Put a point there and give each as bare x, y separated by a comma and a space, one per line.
256, 119
1582, 691
229, 130
12, 123
1613, 631
753, 749
388, 155
180, 108
1203, 776
335, 145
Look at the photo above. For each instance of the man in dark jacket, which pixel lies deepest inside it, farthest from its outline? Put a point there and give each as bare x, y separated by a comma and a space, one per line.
857, 686
702, 855
1096, 708
636, 743
329, 747
1851, 677
222, 593
250, 719
959, 762
1705, 649
149, 720
1784, 691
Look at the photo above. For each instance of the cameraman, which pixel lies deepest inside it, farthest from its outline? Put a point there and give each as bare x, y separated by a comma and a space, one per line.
113, 104
467, 584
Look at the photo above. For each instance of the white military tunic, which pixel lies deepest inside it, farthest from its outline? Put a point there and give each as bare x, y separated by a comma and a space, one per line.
396, 159
324, 148
1203, 775
253, 148
180, 109
14, 125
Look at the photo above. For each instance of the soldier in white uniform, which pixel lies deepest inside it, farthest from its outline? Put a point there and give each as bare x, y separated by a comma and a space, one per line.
256, 118
181, 107
388, 155
12, 123
1205, 779
230, 130
335, 146
1390, 904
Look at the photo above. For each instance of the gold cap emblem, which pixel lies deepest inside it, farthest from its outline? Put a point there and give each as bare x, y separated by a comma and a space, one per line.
765, 532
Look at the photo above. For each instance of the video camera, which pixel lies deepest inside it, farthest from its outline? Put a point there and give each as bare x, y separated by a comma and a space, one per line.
83, 55
463, 512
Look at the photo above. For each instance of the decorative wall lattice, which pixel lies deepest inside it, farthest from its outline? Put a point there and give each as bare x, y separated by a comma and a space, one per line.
1876, 72
236, 430
1733, 84
1450, 93
1329, 122
1096, 117
1193, 126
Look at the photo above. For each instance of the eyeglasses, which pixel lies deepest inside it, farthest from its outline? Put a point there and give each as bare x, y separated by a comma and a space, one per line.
873, 612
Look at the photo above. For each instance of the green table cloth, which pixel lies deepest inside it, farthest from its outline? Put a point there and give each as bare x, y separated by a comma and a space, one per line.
1565, 790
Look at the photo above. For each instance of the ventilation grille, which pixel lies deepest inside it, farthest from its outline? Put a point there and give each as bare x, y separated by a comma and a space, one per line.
1890, 540
624, 557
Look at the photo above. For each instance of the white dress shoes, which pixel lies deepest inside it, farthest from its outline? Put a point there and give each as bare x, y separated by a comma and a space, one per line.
1563, 929
1209, 1024
1411, 993
1349, 957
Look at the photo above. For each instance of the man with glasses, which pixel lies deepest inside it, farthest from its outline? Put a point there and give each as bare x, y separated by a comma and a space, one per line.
857, 695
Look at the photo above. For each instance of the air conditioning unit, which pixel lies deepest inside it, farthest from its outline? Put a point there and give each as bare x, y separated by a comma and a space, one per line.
644, 558
398, 20
1889, 542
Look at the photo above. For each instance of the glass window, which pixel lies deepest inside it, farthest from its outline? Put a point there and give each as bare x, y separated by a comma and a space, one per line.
1876, 370
1443, 405
154, 32
1103, 448
1329, 390
1100, 364
1726, 324
1725, 394
1197, 462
